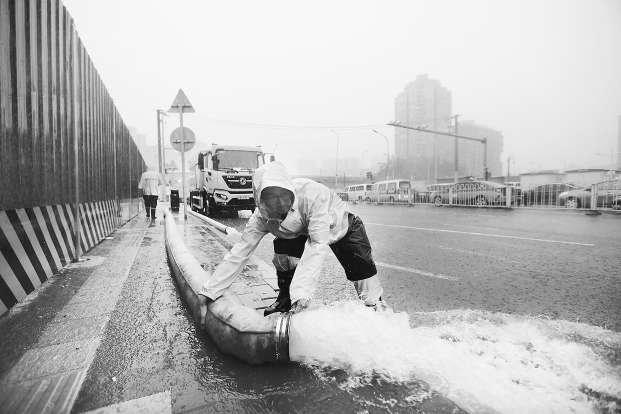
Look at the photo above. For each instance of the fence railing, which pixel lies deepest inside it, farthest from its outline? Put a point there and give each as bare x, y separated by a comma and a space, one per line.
604, 195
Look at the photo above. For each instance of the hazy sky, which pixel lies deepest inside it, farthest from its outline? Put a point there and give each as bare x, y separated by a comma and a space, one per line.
547, 73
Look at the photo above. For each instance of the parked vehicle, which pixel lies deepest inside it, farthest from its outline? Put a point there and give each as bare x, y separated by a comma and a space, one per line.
479, 193
392, 191
545, 194
607, 195
360, 192
576, 198
223, 177
422, 197
343, 196
439, 193
470, 193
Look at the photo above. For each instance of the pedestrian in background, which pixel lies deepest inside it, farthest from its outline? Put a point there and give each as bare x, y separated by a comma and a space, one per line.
149, 184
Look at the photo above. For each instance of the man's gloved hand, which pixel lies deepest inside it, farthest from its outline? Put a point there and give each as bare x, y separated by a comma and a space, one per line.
300, 305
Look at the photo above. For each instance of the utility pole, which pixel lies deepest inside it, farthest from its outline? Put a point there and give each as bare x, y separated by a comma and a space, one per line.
336, 162
456, 170
160, 145
159, 142
163, 144
485, 172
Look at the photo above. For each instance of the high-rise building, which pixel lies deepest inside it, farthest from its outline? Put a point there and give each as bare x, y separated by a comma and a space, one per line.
423, 103
426, 103
471, 152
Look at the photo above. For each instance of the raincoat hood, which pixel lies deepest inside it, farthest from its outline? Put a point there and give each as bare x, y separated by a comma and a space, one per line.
273, 174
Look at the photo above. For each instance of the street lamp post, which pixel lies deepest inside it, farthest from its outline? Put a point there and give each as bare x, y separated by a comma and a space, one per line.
387, 149
336, 163
160, 145
456, 161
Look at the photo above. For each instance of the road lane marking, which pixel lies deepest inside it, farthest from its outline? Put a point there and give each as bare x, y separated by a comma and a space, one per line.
417, 271
472, 233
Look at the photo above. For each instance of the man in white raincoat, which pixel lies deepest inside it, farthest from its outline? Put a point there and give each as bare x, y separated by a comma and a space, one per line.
307, 219
150, 181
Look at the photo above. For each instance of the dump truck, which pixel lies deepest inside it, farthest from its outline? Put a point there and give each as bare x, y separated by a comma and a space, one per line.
223, 176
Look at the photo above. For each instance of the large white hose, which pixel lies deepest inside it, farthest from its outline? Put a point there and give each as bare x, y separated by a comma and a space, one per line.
236, 329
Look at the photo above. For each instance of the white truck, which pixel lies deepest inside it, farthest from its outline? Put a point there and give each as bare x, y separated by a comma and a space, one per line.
223, 177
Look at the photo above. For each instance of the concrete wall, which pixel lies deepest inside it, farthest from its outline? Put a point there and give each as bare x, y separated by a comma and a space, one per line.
69, 167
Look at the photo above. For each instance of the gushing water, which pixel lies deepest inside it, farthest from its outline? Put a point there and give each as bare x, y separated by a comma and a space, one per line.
482, 361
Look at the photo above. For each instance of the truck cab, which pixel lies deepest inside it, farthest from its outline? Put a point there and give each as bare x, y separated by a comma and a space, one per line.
223, 176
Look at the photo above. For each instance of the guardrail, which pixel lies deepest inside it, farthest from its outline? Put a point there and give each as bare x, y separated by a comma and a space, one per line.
229, 231
601, 196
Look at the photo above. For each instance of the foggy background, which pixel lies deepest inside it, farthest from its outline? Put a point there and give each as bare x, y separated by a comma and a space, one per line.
285, 75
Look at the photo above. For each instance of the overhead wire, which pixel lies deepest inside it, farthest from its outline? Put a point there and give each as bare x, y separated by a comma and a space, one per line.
293, 126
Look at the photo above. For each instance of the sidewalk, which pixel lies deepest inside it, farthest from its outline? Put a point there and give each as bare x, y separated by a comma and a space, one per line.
49, 340
101, 332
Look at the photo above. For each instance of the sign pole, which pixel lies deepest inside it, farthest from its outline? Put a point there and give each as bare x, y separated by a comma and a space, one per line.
181, 104
185, 214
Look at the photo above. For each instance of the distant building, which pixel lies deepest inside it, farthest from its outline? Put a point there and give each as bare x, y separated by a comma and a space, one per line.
535, 178
471, 152
583, 177
424, 102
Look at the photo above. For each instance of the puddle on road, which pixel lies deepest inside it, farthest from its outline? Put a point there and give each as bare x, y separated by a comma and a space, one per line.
482, 361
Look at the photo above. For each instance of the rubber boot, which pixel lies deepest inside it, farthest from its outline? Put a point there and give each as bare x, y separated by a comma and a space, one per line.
283, 301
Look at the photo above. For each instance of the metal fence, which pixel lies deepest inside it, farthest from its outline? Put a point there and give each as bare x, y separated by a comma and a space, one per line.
69, 167
603, 195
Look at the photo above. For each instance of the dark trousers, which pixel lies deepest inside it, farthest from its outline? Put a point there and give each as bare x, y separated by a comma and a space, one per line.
353, 252
150, 203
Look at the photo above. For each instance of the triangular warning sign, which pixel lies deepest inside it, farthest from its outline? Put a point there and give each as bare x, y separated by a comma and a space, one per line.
181, 102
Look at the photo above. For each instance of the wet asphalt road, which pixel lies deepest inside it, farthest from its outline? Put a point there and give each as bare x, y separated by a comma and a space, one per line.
151, 345
557, 264
562, 265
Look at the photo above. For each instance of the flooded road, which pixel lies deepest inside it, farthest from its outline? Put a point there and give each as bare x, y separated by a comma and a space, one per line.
480, 324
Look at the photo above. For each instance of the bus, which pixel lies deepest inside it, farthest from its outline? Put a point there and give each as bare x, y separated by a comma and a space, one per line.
360, 192
393, 191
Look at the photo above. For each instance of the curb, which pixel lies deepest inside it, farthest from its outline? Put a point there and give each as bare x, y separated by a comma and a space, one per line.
236, 329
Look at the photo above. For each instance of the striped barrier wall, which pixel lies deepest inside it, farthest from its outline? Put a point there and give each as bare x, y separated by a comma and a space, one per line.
35, 243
